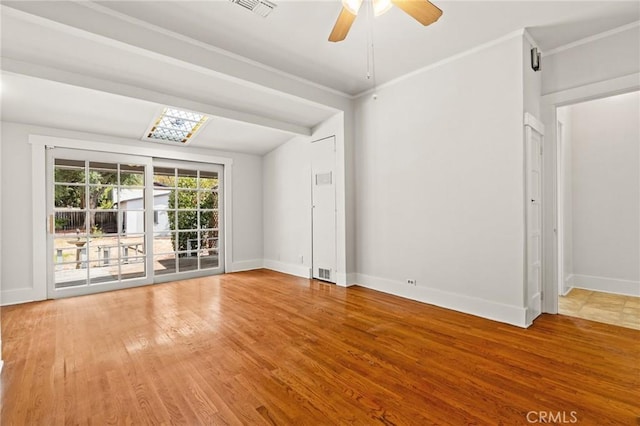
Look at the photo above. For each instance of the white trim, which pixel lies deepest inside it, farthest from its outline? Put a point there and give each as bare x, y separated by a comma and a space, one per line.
592, 38
534, 123
152, 151
288, 268
513, 34
39, 222
606, 284
568, 284
615, 86
1, 361
346, 280
20, 295
246, 265
514, 315
530, 39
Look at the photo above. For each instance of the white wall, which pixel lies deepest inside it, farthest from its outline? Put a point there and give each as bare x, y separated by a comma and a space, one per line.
606, 194
17, 276
287, 207
606, 58
565, 197
439, 166
287, 204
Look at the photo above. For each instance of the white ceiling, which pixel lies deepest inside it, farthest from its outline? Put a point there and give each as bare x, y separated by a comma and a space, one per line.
122, 61
294, 37
51, 104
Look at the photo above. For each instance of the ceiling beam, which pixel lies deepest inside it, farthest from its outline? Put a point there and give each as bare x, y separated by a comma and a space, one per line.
130, 91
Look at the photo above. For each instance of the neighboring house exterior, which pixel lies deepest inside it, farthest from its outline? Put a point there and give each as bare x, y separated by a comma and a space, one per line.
131, 207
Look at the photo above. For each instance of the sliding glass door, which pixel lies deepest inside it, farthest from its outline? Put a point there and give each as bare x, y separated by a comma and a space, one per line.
118, 221
186, 218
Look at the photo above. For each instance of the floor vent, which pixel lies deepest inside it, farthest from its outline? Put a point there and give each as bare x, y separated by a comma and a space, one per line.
324, 274
259, 7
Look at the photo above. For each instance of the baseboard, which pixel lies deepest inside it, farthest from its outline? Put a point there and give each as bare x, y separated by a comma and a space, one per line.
508, 314
288, 268
246, 265
22, 295
568, 284
1, 364
607, 285
536, 300
346, 280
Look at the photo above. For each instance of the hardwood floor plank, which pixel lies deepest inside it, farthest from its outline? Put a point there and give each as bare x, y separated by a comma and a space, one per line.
262, 347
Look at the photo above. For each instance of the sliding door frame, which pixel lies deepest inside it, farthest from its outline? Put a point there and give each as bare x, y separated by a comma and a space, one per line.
89, 288
39, 181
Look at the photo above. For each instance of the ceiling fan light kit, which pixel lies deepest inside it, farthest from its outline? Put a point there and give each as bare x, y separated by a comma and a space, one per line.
422, 11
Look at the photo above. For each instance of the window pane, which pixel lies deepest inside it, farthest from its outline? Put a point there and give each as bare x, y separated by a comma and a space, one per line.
103, 223
187, 199
104, 251
208, 180
208, 200
68, 196
188, 242
164, 177
131, 175
187, 262
164, 242
132, 267
132, 222
187, 178
188, 219
209, 260
208, 219
131, 199
68, 171
132, 245
164, 264
70, 276
103, 173
102, 197
70, 222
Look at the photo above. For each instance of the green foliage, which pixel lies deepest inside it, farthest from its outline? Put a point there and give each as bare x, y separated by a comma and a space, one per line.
187, 216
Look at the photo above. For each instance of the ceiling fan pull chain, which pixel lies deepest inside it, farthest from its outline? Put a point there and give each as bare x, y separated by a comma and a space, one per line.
371, 58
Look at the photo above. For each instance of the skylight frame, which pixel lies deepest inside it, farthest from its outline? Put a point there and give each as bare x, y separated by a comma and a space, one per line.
175, 126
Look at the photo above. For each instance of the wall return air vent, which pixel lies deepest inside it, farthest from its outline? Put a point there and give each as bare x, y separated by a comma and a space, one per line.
259, 7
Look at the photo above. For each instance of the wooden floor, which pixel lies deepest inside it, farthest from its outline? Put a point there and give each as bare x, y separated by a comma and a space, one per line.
266, 348
614, 309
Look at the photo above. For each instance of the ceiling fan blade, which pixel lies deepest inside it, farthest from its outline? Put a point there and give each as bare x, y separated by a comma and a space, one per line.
342, 26
422, 11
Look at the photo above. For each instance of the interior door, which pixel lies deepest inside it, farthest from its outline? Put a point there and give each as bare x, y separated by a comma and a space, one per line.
533, 145
323, 165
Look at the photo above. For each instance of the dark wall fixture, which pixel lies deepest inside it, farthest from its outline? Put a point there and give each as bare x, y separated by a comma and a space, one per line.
535, 59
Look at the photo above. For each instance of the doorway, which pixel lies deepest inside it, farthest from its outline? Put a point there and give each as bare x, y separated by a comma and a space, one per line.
118, 221
598, 187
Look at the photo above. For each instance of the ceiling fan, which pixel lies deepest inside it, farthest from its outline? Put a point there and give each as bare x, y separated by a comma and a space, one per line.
422, 11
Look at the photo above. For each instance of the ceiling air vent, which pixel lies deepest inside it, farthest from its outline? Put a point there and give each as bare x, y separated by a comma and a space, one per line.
259, 7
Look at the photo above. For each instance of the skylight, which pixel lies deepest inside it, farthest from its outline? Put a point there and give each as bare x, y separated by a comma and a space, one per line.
175, 125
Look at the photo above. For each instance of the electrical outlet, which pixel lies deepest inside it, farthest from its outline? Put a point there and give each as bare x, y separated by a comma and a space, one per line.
301, 258
411, 281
